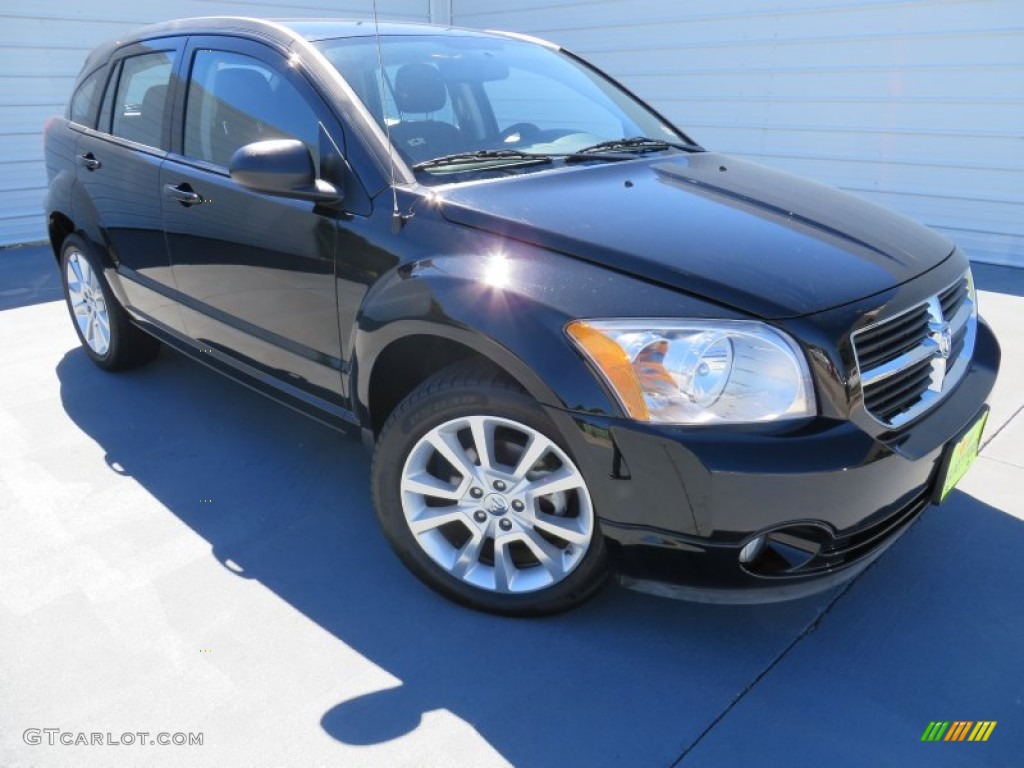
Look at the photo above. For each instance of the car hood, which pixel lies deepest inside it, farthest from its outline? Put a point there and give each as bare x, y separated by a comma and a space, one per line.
749, 237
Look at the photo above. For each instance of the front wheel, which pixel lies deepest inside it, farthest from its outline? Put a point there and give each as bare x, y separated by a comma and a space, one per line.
481, 500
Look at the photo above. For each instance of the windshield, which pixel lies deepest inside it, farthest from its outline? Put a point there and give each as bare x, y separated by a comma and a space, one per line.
498, 100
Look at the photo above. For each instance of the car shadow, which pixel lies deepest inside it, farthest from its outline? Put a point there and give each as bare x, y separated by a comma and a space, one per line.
626, 679
28, 275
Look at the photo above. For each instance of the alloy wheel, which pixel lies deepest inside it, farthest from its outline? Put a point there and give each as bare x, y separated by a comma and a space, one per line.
497, 504
88, 303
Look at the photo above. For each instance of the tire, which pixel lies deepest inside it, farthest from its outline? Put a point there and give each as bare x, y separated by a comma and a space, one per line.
107, 335
513, 532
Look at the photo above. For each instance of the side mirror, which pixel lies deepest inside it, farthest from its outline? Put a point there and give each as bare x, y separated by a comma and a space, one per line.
281, 167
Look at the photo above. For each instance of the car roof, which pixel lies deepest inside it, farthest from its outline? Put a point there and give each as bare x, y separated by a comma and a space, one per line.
311, 29
326, 29
287, 32
284, 31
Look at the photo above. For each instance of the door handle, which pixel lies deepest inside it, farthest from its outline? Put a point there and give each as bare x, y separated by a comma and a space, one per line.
184, 194
89, 161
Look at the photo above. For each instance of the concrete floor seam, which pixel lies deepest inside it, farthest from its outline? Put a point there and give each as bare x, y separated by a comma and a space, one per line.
805, 632
1002, 426
1004, 462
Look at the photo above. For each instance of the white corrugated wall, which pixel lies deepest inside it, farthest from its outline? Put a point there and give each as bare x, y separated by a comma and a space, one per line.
915, 105
43, 45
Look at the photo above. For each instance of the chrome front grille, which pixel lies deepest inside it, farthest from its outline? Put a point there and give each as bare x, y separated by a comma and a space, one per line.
909, 361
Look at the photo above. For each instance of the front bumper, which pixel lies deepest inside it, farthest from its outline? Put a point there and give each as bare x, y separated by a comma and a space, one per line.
678, 504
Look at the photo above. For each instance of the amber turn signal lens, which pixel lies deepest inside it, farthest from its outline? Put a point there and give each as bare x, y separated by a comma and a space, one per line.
614, 365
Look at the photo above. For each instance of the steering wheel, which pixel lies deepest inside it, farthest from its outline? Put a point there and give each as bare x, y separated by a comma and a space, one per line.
526, 132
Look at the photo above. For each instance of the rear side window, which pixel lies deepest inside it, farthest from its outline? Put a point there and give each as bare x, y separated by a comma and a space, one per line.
83, 103
141, 100
235, 100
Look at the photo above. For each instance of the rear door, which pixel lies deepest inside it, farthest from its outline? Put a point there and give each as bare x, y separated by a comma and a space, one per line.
119, 175
255, 272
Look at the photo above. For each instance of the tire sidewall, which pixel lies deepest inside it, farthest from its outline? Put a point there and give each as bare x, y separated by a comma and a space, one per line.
408, 425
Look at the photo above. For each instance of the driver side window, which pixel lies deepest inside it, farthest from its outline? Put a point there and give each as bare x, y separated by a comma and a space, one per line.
234, 100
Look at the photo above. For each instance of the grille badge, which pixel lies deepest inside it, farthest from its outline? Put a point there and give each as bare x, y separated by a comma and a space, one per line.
940, 335
944, 338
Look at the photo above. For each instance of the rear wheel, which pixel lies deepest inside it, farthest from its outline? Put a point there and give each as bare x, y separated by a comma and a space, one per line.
481, 500
103, 327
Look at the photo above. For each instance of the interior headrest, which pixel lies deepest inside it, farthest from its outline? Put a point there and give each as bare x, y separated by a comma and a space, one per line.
244, 89
153, 100
419, 88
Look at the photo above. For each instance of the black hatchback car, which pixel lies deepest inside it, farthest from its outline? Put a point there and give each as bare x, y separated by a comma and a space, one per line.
578, 342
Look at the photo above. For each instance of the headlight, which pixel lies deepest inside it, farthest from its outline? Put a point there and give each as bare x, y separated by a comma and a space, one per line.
698, 372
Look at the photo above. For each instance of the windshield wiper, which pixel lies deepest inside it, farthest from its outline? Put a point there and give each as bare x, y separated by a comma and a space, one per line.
517, 157
606, 150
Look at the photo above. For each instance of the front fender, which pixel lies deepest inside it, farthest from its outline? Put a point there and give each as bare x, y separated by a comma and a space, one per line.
514, 329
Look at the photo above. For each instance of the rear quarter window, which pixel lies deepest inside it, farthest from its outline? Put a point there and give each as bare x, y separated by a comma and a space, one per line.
82, 108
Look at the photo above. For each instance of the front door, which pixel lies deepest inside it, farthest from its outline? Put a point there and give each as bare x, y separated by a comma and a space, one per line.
255, 272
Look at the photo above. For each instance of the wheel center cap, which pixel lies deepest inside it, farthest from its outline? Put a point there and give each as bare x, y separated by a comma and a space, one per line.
496, 504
